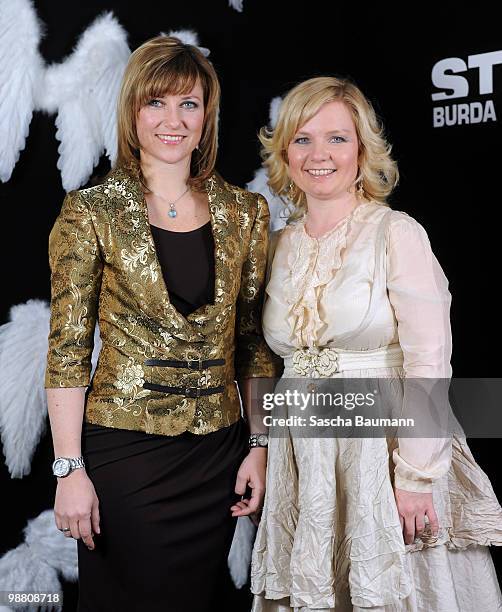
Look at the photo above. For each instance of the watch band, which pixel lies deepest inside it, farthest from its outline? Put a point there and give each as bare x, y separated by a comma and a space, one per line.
63, 466
77, 462
258, 440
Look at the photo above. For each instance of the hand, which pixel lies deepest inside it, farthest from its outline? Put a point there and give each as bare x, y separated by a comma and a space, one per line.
413, 508
77, 507
251, 474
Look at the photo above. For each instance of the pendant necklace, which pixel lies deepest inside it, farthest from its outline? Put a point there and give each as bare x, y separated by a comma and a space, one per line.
172, 210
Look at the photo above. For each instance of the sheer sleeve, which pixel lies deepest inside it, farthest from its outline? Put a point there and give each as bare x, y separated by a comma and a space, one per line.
418, 292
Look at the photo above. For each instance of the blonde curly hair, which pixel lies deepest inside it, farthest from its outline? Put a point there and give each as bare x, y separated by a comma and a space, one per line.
377, 174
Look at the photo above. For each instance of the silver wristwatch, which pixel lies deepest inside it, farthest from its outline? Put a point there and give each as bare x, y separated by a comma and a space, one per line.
257, 440
63, 466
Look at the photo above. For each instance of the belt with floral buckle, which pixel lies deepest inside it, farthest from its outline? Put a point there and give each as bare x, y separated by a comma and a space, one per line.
320, 363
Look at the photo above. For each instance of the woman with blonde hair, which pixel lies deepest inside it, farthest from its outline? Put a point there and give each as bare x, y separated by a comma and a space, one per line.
170, 259
355, 292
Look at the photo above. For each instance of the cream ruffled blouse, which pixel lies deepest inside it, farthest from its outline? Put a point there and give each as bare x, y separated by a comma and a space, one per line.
370, 282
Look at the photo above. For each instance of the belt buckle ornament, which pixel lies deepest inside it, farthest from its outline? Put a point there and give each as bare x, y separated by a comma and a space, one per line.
315, 363
302, 362
193, 392
327, 363
195, 364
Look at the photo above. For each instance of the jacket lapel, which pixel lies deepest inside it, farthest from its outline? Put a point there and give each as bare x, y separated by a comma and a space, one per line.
138, 255
224, 224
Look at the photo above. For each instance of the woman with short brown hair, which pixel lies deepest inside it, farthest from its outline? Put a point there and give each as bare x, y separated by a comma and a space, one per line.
170, 259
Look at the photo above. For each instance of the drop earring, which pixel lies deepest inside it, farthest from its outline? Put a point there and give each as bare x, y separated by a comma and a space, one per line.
291, 190
360, 186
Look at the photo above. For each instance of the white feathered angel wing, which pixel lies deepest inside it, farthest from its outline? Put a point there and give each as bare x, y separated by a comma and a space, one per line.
83, 90
23, 404
189, 37
236, 4
36, 563
23, 407
21, 70
280, 208
239, 557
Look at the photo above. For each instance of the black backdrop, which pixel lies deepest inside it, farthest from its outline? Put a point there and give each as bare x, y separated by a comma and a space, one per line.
449, 175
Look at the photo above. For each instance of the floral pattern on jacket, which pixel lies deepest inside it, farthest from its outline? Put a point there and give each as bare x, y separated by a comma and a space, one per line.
104, 267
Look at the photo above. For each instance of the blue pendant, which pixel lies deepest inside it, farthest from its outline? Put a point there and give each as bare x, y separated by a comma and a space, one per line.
172, 213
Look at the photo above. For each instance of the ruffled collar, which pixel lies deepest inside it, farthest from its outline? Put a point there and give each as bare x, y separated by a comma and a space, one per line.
312, 263
356, 213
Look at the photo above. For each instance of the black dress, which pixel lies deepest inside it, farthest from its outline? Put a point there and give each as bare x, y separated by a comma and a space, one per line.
187, 262
164, 501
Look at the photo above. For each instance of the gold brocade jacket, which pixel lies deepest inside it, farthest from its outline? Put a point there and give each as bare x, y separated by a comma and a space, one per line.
158, 371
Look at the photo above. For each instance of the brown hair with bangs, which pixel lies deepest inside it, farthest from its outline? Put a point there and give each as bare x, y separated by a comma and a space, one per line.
165, 65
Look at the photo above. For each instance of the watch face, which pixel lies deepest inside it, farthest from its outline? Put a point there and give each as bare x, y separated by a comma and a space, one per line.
263, 440
61, 467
